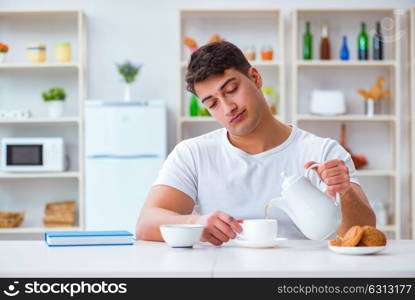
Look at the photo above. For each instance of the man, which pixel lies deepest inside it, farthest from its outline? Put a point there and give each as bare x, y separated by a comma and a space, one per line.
222, 177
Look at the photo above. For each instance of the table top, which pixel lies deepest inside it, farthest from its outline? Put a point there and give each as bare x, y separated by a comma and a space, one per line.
292, 258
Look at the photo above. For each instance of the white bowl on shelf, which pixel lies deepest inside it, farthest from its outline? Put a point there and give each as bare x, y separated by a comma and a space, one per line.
181, 235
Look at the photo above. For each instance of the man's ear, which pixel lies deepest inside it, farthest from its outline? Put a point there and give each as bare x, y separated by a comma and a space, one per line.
255, 76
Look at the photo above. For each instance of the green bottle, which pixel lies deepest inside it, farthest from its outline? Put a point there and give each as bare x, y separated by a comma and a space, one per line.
307, 42
203, 111
363, 43
194, 106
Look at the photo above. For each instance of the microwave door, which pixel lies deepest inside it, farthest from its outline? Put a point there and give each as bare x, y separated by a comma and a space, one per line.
24, 155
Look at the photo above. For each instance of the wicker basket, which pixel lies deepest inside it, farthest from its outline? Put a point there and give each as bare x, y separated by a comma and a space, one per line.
10, 219
59, 214
60, 207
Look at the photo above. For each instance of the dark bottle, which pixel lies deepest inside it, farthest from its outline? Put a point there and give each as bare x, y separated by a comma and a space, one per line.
363, 43
325, 43
344, 52
378, 43
307, 43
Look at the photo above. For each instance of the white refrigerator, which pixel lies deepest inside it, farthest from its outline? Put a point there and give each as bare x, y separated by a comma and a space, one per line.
125, 147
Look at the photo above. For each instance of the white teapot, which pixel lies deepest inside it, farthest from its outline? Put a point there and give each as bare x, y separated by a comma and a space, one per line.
314, 213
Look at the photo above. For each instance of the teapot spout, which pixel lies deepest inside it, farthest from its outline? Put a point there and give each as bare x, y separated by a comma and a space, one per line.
277, 203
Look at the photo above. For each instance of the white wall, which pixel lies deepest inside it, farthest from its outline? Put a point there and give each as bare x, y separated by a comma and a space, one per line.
147, 32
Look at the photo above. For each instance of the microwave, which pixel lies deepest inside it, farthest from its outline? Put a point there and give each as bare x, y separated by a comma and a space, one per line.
32, 154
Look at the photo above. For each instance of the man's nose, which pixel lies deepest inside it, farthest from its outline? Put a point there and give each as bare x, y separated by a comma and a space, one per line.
230, 107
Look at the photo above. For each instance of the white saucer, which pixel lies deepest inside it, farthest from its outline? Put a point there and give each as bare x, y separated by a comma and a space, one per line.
356, 250
258, 244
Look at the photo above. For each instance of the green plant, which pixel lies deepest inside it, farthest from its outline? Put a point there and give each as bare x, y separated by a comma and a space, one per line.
54, 94
128, 71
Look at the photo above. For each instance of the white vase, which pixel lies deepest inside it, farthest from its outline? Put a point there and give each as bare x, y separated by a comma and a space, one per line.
55, 108
373, 107
2, 56
127, 92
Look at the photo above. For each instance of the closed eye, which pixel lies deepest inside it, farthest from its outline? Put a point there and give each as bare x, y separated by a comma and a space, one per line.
232, 90
213, 105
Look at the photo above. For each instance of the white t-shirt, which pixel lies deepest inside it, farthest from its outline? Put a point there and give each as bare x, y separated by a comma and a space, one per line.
220, 176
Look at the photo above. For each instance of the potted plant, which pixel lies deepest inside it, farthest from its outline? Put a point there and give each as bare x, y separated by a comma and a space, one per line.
3, 50
374, 96
54, 97
128, 71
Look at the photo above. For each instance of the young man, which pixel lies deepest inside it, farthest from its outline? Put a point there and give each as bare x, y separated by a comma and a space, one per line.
222, 177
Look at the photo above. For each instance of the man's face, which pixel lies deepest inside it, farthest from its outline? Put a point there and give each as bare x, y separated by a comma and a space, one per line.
233, 99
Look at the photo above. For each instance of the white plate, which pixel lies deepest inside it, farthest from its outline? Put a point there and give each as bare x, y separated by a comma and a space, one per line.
258, 244
356, 250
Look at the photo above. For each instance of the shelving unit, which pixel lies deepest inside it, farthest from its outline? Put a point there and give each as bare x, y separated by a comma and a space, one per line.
263, 27
47, 120
412, 93
30, 192
381, 179
38, 65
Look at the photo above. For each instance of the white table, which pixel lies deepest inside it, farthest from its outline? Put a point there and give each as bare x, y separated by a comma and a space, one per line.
150, 259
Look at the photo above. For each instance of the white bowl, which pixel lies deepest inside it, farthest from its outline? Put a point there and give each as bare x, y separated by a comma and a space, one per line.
181, 235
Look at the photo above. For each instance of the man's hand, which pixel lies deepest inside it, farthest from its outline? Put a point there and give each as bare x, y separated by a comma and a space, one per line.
335, 174
219, 227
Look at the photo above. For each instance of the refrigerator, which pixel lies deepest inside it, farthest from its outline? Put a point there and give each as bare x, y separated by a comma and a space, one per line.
125, 147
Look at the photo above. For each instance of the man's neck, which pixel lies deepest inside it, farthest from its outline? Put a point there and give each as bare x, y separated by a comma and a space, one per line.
269, 134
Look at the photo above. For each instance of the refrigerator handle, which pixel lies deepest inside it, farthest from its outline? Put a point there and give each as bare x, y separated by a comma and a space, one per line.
113, 156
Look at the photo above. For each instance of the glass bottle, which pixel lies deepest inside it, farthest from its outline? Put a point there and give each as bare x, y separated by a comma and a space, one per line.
344, 52
325, 43
378, 43
307, 42
363, 43
194, 106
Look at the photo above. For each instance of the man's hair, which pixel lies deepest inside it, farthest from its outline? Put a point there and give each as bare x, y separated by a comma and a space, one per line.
213, 59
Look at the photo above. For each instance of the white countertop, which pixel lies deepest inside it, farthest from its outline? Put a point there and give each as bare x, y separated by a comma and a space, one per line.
295, 258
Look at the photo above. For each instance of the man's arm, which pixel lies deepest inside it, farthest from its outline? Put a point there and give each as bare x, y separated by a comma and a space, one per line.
354, 203
355, 209
164, 205
167, 205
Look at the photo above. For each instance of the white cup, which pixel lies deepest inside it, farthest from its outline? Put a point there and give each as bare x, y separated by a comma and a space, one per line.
259, 230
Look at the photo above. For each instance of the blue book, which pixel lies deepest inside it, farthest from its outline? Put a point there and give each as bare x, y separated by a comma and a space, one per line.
88, 238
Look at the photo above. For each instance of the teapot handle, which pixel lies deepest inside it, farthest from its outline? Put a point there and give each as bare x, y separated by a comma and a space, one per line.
307, 174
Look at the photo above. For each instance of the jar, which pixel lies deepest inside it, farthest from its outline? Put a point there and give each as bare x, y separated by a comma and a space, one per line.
249, 53
267, 53
36, 52
63, 52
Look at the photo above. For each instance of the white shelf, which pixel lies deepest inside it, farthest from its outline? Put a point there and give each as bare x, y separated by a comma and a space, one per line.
206, 119
255, 63
266, 24
39, 13
43, 120
4, 175
374, 173
46, 65
342, 63
197, 119
47, 186
356, 118
38, 229
308, 71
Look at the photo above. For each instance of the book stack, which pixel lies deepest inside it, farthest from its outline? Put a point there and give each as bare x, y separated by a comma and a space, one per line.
59, 214
88, 238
